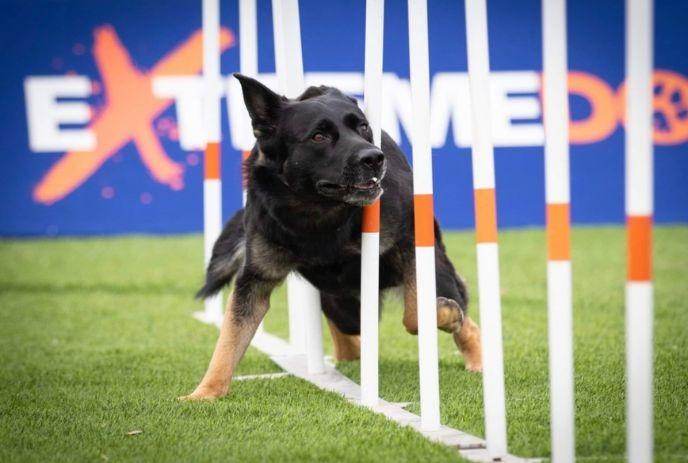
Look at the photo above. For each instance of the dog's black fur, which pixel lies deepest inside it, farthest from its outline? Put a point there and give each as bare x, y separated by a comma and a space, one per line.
312, 169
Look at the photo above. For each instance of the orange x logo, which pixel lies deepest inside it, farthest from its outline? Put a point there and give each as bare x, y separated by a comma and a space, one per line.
128, 115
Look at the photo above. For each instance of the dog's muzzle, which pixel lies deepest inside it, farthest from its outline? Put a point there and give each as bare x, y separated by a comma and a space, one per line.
358, 193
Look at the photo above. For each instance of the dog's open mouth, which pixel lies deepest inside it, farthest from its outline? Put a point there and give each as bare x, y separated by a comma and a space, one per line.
347, 191
369, 185
331, 187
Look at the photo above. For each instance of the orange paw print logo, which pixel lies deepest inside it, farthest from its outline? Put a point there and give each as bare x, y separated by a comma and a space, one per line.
670, 107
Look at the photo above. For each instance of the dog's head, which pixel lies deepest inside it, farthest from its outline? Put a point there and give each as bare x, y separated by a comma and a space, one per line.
319, 144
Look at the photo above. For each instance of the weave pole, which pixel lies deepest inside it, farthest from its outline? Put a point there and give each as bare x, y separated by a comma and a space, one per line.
424, 216
305, 326
248, 64
486, 229
557, 192
370, 236
212, 185
639, 210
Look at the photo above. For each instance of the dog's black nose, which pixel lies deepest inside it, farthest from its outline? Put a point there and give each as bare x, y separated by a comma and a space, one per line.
372, 158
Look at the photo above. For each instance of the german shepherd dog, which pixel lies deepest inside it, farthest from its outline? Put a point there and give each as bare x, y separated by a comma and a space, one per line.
312, 169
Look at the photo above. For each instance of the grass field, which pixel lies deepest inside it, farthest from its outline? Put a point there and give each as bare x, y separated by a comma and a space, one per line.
97, 340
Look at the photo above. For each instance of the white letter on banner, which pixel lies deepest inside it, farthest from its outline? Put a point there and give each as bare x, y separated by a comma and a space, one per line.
396, 106
187, 92
514, 96
449, 101
45, 114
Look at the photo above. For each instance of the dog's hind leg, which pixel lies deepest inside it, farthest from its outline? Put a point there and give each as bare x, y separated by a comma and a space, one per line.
347, 347
344, 323
452, 302
245, 310
468, 341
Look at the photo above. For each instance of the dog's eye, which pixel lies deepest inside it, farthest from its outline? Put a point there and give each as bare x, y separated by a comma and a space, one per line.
319, 137
364, 127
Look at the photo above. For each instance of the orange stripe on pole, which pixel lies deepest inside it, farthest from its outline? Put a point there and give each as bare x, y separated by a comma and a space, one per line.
485, 215
371, 218
244, 169
639, 230
558, 232
212, 161
424, 218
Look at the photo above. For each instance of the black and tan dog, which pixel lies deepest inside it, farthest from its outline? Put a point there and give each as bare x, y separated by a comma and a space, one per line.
312, 169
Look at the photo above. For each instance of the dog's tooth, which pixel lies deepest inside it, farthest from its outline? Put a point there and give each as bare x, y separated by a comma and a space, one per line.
374, 179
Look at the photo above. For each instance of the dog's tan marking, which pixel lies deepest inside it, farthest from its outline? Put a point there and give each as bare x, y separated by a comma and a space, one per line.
234, 338
261, 157
468, 341
410, 308
346, 346
271, 261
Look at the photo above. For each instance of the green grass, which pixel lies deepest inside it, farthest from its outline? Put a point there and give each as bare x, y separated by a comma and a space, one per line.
96, 340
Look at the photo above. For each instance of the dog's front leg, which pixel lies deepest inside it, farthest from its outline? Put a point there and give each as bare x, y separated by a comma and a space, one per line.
246, 307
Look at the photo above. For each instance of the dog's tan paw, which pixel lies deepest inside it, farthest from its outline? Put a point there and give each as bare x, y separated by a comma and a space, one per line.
473, 366
449, 315
203, 393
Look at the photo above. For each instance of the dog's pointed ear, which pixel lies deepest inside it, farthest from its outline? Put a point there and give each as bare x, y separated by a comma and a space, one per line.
264, 105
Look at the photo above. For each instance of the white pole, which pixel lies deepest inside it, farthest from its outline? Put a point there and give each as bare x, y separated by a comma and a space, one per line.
559, 293
486, 229
296, 287
288, 56
370, 239
639, 211
248, 64
305, 326
248, 38
212, 184
424, 216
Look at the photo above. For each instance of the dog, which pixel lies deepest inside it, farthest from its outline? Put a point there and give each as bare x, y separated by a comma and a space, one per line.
313, 168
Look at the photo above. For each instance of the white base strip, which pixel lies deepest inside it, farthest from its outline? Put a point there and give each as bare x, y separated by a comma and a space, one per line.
294, 363
470, 447
283, 374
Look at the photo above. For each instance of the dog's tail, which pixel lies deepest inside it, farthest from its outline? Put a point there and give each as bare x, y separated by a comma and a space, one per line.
227, 258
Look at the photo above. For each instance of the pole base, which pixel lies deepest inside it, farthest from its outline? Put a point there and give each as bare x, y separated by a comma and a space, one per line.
208, 318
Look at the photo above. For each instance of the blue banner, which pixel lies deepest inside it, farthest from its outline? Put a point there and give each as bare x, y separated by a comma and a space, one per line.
103, 133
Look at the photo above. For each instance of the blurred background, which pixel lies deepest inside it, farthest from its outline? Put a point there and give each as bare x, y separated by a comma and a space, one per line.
102, 131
